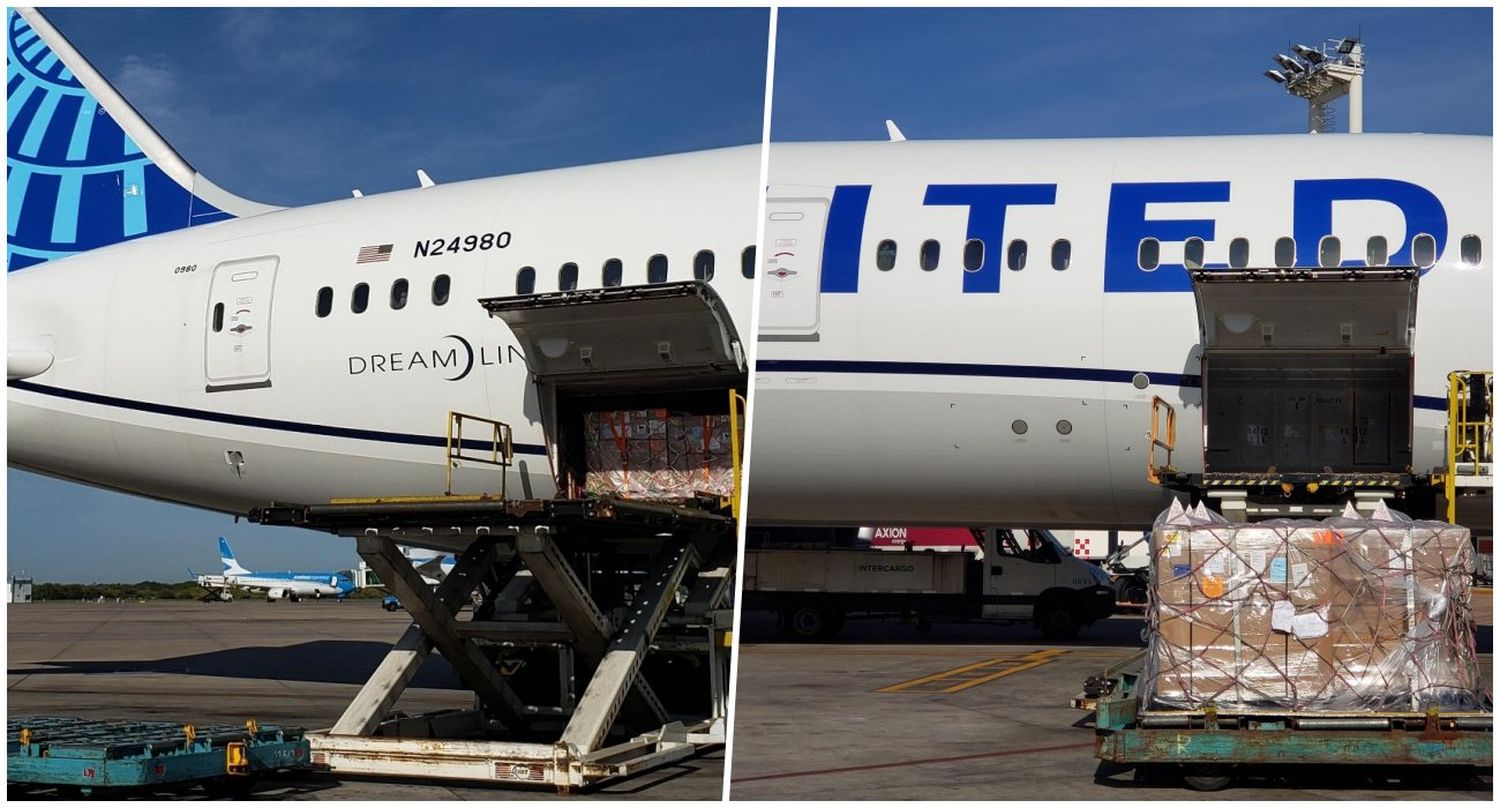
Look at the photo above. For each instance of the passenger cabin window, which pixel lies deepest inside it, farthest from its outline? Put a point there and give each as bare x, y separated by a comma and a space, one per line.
399, 291
1192, 253
1239, 253
1330, 253
218, 317
567, 277
440, 286
885, 256
747, 261
361, 299
1376, 252
973, 255
656, 269
703, 265
526, 281
1424, 251
1469, 251
928, 259
1015, 255
1062, 254
614, 272
1286, 252
325, 301
1148, 255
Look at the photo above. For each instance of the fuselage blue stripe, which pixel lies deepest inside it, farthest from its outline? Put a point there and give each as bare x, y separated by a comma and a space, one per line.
969, 369
1005, 371
257, 422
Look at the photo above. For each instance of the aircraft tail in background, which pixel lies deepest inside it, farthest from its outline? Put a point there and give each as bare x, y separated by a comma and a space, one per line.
226, 555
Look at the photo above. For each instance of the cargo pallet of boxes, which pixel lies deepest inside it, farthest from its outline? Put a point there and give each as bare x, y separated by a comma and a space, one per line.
1342, 641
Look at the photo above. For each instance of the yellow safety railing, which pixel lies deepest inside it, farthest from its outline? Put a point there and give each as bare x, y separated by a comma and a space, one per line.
1471, 428
737, 407
1164, 437
500, 453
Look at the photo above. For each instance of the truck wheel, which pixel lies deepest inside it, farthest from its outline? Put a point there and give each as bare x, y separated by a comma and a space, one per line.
807, 621
1206, 777
1058, 620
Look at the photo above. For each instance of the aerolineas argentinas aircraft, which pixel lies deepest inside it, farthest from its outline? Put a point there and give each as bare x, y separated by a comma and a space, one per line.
170, 339
955, 331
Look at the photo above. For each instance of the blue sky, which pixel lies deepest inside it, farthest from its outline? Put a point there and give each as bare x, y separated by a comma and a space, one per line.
293, 106
998, 73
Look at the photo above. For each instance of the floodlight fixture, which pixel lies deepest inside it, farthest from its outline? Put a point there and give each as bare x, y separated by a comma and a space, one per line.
1320, 76
1312, 56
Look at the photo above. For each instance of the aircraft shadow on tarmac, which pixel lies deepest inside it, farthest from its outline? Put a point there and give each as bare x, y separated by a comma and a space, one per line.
328, 661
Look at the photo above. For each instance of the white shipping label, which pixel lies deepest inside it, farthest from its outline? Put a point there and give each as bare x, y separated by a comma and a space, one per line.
1281, 616
1215, 563
1257, 562
1299, 574
1309, 626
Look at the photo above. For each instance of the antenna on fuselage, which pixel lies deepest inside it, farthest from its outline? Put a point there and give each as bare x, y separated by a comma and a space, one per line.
893, 131
425, 180
358, 194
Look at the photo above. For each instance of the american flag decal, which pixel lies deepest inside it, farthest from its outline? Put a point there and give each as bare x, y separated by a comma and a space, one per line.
374, 253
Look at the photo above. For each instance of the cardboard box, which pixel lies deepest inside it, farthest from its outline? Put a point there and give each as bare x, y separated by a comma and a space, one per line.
1345, 614
656, 455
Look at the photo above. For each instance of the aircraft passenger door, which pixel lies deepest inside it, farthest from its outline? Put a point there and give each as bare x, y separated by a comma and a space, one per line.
237, 347
791, 269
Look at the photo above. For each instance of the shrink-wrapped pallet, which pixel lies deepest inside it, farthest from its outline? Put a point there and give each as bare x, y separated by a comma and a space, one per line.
656, 455
1347, 614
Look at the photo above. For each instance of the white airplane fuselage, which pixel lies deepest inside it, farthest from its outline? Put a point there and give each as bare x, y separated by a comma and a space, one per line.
900, 395
145, 395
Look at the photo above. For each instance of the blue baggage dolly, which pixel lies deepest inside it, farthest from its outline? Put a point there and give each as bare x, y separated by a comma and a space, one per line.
90, 754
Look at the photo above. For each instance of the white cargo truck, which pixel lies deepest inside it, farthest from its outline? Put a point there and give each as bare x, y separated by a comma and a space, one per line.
1019, 576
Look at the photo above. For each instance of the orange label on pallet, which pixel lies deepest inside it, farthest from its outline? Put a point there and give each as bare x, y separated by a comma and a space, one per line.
1327, 537
1212, 586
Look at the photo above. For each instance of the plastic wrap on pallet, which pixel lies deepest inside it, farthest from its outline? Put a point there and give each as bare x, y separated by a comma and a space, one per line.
654, 454
1346, 614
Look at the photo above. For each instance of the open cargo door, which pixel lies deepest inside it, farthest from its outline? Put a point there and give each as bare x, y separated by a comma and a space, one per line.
1307, 371
622, 375
632, 335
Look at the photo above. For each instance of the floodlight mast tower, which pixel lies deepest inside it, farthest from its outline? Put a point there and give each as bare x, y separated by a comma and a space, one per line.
1322, 76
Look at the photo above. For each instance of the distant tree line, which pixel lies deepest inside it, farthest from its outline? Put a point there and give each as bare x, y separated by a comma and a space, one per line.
144, 590
150, 590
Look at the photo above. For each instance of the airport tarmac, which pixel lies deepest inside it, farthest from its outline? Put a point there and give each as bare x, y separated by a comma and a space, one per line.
293, 664
961, 712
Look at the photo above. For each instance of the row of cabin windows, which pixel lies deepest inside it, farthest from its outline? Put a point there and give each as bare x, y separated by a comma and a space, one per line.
1424, 253
612, 273
400, 293
1330, 252
973, 255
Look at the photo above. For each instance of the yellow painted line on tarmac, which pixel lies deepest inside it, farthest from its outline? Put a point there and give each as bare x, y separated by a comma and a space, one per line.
976, 673
1037, 660
948, 674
